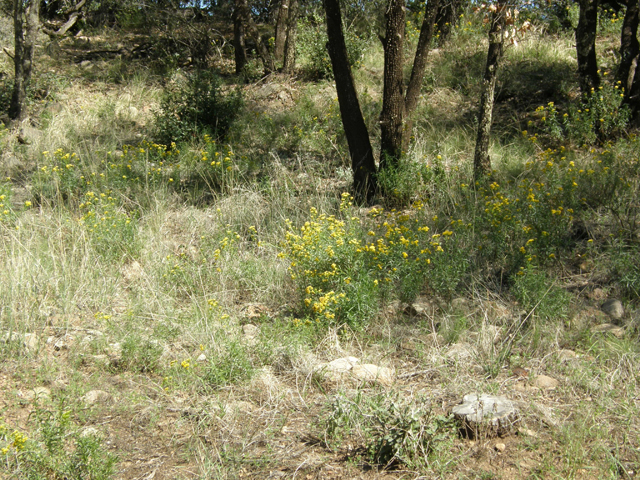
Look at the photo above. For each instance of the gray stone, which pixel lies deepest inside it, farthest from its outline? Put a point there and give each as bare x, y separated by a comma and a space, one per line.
201, 358
97, 397
340, 365
373, 373
544, 382
249, 330
460, 352
486, 415
609, 328
38, 393
613, 308
565, 355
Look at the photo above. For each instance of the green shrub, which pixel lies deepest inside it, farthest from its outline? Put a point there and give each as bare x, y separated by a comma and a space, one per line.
196, 106
534, 290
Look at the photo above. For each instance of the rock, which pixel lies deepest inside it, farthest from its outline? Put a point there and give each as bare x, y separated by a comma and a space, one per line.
38, 393
486, 415
614, 330
565, 355
613, 308
500, 447
460, 304
421, 308
249, 330
201, 358
373, 373
97, 397
336, 368
527, 433
544, 382
459, 352
89, 432
28, 340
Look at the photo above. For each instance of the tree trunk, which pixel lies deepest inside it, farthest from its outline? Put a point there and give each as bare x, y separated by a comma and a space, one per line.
586, 46
481, 160
629, 47
263, 51
392, 115
419, 66
26, 23
362, 160
282, 27
447, 17
290, 44
239, 45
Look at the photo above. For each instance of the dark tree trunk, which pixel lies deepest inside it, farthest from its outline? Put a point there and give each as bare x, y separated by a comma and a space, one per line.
481, 160
26, 23
586, 46
392, 115
290, 44
419, 66
263, 51
239, 45
629, 48
362, 160
281, 30
447, 17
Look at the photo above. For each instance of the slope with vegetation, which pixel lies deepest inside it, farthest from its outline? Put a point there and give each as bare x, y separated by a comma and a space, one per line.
190, 290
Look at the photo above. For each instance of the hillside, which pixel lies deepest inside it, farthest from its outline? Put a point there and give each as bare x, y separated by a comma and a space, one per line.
222, 308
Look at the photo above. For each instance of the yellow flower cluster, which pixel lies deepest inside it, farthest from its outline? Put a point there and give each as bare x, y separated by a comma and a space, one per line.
339, 262
13, 440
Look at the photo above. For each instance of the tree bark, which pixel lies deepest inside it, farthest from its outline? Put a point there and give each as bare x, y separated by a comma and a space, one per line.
447, 17
419, 66
267, 59
392, 115
282, 27
26, 23
239, 45
362, 160
290, 44
586, 46
629, 47
481, 160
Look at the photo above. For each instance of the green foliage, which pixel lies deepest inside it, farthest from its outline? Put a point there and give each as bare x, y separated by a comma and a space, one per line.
57, 451
230, 364
599, 116
389, 429
195, 106
534, 290
312, 47
139, 355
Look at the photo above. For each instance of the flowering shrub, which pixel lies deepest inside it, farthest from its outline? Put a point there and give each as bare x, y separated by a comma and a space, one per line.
343, 265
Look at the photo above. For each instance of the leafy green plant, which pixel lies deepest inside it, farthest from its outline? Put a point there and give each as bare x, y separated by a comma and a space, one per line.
534, 290
196, 106
139, 355
390, 430
58, 450
231, 364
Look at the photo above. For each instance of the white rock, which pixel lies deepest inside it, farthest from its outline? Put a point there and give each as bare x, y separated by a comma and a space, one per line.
373, 373
97, 397
250, 330
38, 393
544, 382
201, 358
613, 308
609, 328
340, 365
500, 447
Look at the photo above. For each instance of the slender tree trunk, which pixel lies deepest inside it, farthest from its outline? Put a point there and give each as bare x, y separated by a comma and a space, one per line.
392, 115
263, 51
629, 51
481, 160
362, 160
586, 46
281, 30
290, 44
239, 45
447, 17
26, 23
419, 66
